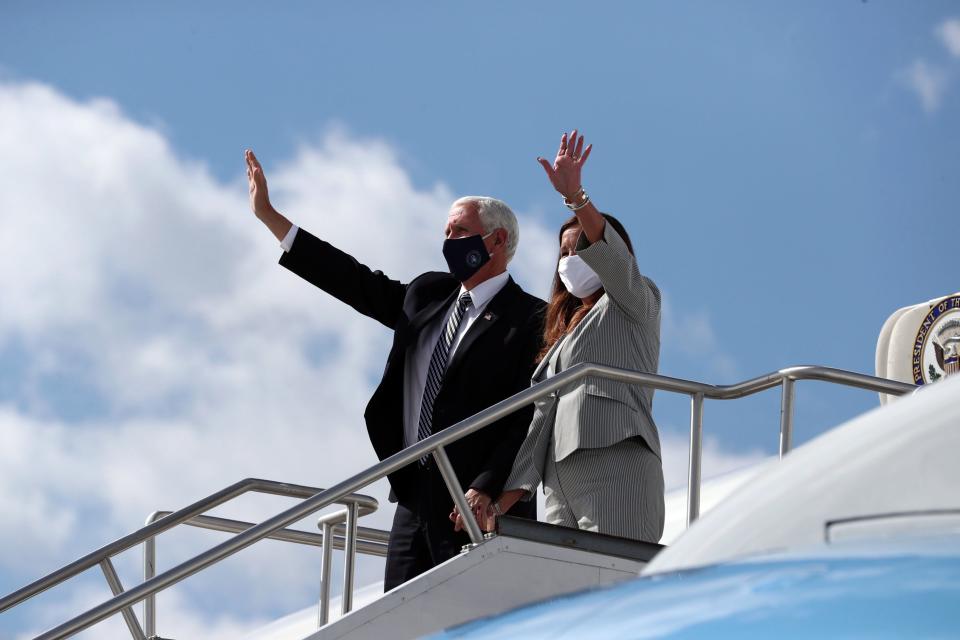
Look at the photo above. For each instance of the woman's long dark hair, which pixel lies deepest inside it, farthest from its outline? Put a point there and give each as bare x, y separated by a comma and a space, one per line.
565, 310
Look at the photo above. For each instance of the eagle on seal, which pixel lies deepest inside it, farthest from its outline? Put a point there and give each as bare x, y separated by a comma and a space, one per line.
948, 353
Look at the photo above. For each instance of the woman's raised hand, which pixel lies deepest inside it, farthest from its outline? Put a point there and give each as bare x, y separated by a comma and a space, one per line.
564, 173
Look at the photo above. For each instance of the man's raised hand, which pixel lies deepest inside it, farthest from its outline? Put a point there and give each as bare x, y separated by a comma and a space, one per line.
259, 197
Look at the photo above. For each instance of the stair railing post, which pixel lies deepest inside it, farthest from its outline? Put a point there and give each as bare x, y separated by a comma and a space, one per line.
786, 416
456, 492
696, 455
325, 571
350, 557
149, 571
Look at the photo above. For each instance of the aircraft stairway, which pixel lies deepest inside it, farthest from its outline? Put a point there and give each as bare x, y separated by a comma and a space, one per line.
524, 561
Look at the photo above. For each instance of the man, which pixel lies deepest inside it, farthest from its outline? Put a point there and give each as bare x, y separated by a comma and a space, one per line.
462, 341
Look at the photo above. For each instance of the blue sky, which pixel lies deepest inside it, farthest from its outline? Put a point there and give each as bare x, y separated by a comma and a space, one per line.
788, 172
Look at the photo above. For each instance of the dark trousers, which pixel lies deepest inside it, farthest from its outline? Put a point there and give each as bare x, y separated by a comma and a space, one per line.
422, 535
418, 542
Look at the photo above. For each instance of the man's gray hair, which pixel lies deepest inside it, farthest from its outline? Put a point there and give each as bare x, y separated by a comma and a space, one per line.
495, 214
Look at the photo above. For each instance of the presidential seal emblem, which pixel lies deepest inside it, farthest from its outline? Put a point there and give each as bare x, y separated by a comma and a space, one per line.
936, 349
474, 258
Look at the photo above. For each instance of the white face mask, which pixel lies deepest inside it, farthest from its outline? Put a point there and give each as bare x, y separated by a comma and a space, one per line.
577, 276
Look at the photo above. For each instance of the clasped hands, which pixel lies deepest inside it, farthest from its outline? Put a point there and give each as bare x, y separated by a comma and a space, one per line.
481, 508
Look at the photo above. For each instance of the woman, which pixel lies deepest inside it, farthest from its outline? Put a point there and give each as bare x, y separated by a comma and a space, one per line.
593, 445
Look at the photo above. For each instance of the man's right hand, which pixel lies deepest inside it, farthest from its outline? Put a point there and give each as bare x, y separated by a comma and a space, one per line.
260, 198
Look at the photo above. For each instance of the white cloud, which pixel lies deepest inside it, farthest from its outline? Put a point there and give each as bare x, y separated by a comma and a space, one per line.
189, 624
691, 334
927, 82
949, 33
715, 459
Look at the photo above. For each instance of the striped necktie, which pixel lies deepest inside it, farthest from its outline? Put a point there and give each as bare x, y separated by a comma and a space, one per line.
438, 365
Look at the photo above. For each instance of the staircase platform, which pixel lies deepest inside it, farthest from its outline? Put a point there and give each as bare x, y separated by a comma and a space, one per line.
524, 562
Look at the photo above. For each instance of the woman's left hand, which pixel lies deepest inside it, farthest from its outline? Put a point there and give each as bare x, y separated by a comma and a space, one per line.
564, 173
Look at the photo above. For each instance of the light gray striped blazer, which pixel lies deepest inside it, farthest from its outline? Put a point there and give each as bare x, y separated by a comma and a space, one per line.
621, 330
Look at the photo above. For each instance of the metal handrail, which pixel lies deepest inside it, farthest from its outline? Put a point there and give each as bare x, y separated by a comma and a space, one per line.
147, 534
435, 445
369, 541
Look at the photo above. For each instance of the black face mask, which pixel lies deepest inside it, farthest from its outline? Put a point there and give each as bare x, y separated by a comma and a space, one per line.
465, 256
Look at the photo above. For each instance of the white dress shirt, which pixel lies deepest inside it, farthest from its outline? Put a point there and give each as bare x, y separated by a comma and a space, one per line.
287, 241
418, 355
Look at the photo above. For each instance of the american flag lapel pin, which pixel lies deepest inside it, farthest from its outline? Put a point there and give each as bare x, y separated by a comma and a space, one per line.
488, 316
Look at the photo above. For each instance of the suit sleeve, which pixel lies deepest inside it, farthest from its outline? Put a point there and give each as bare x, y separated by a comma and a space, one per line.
526, 473
633, 292
512, 429
370, 292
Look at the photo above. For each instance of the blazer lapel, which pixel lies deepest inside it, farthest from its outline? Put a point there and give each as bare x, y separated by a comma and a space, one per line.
567, 342
594, 310
428, 313
538, 372
494, 309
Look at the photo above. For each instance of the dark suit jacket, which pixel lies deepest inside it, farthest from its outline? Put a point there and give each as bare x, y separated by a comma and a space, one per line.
494, 361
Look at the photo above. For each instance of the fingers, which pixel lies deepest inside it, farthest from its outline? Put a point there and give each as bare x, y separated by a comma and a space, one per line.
486, 519
475, 497
254, 170
253, 165
586, 154
572, 144
491, 520
546, 166
257, 172
479, 514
